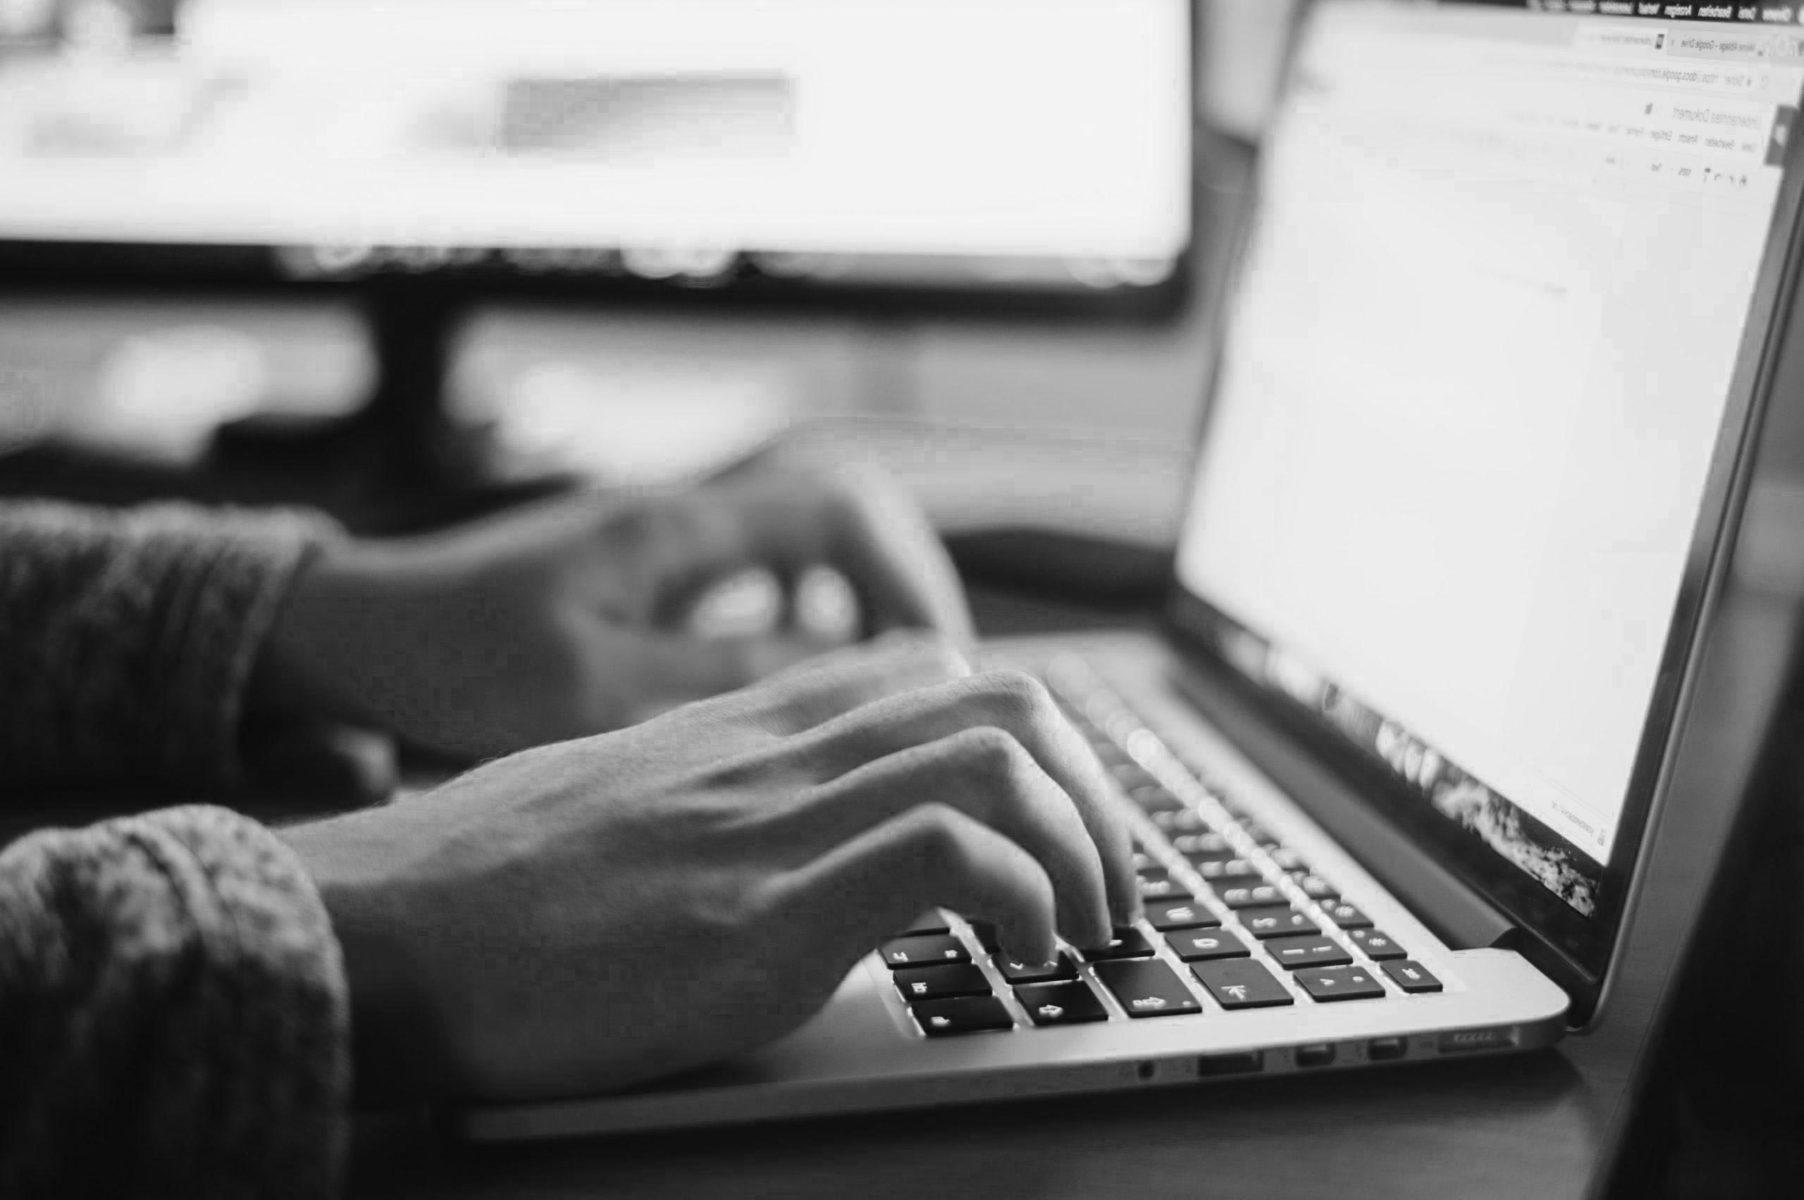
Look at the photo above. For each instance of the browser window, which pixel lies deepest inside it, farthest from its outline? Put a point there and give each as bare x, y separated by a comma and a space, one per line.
1473, 385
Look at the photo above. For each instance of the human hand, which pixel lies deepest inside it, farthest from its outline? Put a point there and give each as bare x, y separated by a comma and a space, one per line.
569, 617
590, 914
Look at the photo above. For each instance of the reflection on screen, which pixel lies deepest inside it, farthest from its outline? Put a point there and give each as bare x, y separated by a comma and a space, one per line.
877, 127
1473, 387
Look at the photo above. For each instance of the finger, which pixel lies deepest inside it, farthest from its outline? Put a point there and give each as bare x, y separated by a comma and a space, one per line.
831, 685
983, 773
867, 887
854, 520
881, 541
1018, 704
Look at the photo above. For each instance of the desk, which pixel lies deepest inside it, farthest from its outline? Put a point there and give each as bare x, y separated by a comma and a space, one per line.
1547, 1125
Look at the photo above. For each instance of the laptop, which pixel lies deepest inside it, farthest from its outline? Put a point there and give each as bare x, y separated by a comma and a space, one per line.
1475, 449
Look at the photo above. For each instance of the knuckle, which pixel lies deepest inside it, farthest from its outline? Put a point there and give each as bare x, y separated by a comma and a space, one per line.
939, 836
994, 757
1018, 698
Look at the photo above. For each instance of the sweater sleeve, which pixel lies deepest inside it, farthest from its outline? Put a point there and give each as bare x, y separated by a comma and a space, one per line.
127, 639
173, 1014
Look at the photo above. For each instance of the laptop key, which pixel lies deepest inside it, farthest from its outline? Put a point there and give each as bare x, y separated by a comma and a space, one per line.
1154, 799
1288, 860
1147, 989
1314, 886
963, 1014
1061, 1003
1346, 916
1278, 920
1166, 915
1197, 945
1411, 976
1201, 847
1060, 967
1230, 872
1330, 984
1182, 820
1128, 942
1161, 886
935, 983
1294, 952
1241, 983
923, 950
1377, 946
1250, 895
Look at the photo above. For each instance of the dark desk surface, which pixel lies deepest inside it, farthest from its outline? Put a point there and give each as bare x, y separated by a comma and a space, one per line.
1546, 1125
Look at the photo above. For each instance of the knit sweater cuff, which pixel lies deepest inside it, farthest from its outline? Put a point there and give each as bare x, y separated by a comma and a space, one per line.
131, 636
173, 1013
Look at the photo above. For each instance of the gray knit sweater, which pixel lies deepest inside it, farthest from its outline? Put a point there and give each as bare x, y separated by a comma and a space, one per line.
173, 1017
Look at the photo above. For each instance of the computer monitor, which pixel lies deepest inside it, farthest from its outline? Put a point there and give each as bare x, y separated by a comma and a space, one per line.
978, 145
425, 154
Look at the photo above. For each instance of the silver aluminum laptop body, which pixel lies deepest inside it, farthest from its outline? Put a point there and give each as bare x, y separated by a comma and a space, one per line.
1449, 840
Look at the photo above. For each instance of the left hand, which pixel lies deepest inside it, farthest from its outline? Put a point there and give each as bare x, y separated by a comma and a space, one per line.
570, 617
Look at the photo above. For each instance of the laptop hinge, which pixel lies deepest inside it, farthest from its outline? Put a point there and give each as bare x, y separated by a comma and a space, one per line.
1439, 899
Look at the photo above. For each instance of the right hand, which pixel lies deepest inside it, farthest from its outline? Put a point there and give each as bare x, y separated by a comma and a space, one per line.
593, 913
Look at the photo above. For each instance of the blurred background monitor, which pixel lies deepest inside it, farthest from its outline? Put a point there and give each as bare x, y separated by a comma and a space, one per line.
1005, 149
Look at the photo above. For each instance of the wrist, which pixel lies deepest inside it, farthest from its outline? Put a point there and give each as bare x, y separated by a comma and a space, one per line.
307, 667
396, 1050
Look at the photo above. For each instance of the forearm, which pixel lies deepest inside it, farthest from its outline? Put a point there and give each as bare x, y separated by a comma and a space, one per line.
172, 1013
127, 639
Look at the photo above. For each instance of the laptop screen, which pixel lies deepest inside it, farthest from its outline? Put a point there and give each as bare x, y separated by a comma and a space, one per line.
1473, 387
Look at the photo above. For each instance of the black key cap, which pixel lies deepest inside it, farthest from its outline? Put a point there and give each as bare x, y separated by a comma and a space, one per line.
1179, 914
1412, 976
928, 922
966, 1014
1250, 895
1241, 983
1061, 1003
1181, 820
925, 950
1147, 989
1061, 967
1288, 859
1195, 945
1376, 945
1199, 847
1316, 951
1314, 886
1155, 800
1279, 920
936, 983
1128, 942
1161, 886
1346, 916
1329, 984
1229, 872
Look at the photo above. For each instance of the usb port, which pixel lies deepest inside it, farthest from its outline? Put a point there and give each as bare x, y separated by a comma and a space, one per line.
1385, 1049
1249, 1062
1316, 1054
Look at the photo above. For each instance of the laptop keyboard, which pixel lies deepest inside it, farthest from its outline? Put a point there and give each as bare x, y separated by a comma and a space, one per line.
1234, 919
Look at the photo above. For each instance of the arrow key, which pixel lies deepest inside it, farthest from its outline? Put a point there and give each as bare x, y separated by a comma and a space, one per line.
1411, 976
1241, 983
1330, 984
1061, 1003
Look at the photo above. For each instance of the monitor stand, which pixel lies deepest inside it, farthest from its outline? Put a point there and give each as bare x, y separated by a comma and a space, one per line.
400, 461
